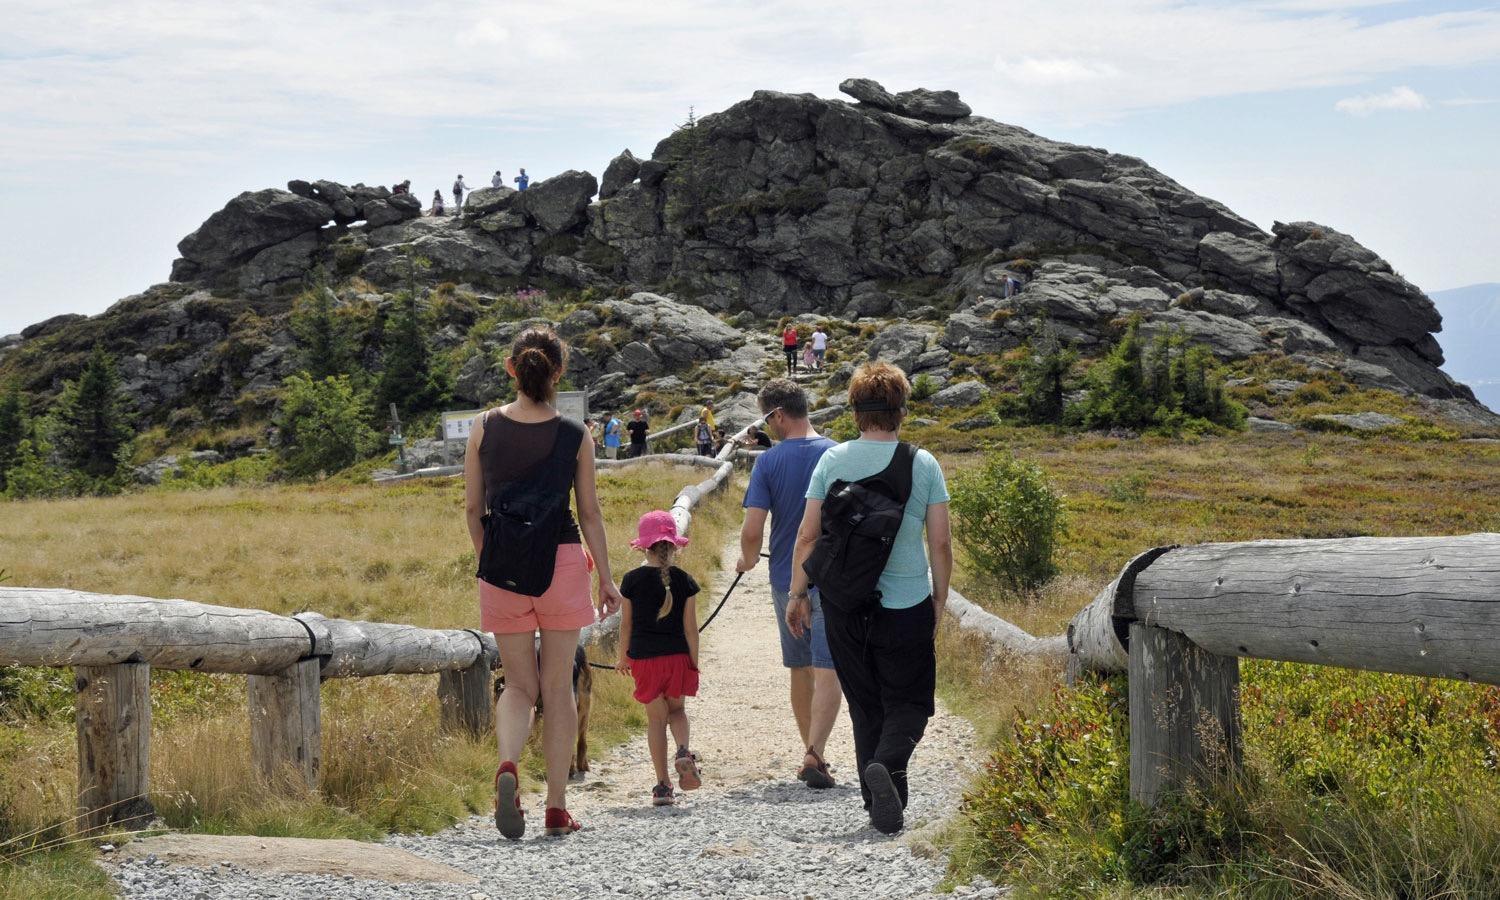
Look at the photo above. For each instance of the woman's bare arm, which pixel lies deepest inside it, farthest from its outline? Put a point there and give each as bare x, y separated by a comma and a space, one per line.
591, 524
474, 499
940, 555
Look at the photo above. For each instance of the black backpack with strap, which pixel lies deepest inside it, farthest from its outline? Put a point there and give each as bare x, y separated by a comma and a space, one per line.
860, 522
526, 516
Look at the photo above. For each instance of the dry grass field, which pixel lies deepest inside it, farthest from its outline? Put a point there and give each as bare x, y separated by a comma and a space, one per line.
397, 554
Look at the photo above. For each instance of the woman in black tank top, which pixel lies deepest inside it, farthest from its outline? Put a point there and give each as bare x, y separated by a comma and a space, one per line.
523, 443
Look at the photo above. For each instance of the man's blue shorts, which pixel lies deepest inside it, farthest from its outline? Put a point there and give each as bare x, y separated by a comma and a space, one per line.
812, 648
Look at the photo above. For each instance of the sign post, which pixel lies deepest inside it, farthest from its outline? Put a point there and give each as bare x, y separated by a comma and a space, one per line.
396, 440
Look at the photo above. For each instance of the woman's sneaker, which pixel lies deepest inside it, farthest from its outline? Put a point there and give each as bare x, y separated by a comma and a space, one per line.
688, 775
509, 817
885, 804
661, 795
560, 822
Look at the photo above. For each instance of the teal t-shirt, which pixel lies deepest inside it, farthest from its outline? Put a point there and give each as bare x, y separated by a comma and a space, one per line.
907, 579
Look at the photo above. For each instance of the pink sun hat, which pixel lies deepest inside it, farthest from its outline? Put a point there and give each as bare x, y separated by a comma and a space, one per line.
657, 525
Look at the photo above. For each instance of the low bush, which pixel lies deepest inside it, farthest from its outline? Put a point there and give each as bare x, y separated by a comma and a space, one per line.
1010, 520
322, 425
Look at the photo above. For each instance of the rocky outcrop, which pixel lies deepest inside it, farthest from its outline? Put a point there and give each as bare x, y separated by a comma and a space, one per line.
622, 170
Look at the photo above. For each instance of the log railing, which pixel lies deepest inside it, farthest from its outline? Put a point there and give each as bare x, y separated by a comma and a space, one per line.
1178, 619
113, 643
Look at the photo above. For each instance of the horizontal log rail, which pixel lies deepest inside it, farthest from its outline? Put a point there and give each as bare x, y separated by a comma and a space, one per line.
1177, 619
113, 642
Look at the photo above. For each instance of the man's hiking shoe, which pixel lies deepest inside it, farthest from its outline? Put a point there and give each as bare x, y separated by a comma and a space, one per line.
661, 795
816, 776
560, 822
509, 817
688, 776
885, 803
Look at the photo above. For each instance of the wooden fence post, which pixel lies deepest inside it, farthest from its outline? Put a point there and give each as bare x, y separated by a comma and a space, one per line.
465, 696
1184, 713
286, 729
113, 713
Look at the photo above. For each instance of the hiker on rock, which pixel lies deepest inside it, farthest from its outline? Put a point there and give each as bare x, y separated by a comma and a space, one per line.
614, 429
638, 427
497, 180
881, 599
402, 188
533, 573
819, 347
459, 189
789, 342
778, 488
659, 648
522, 180
437, 204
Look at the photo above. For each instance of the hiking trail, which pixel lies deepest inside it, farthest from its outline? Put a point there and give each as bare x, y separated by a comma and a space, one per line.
751, 831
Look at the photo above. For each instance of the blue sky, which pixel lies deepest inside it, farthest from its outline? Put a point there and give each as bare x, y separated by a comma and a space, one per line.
130, 121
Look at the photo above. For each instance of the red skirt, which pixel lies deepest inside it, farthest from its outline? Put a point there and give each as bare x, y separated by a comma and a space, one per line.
664, 676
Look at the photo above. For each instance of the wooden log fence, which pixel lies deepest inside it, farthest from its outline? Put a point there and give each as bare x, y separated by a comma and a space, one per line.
113, 643
1178, 619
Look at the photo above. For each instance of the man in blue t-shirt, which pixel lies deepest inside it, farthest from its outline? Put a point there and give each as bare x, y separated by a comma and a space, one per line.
612, 431
778, 487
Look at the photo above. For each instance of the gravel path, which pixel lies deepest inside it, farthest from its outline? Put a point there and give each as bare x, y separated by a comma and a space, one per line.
751, 831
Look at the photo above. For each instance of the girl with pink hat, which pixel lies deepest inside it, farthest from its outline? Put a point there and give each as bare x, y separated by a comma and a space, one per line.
660, 620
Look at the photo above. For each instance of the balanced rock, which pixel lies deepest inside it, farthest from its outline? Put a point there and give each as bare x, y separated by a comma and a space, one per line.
251, 222
622, 170
559, 203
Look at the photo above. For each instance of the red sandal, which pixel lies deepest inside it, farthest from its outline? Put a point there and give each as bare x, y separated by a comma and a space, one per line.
560, 822
509, 817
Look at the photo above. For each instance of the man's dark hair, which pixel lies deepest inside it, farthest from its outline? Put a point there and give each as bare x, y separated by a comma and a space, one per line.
786, 394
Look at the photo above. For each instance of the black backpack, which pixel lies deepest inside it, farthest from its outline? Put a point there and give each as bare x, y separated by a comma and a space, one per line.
860, 522
526, 517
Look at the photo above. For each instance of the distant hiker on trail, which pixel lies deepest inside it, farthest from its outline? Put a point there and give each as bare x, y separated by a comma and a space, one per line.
498, 179
756, 439
778, 488
720, 439
459, 188
789, 342
638, 427
808, 359
819, 346
596, 433
522, 180
533, 576
703, 435
659, 648
437, 204
614, 429
881, 607
708, 410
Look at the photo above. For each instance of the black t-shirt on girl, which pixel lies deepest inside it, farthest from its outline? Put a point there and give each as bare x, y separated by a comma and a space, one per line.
650, 636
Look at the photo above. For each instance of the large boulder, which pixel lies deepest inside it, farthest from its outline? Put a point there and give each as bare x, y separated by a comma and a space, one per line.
677, 334
249, 223
901, 345
561, 202
288, 261
454, 254
920, 103
390, 210
1227, 338
1240, 261
484, 201
622, 170
964, 393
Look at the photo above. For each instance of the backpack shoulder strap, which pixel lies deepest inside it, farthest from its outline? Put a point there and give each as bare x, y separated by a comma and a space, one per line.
565, 449
898, 472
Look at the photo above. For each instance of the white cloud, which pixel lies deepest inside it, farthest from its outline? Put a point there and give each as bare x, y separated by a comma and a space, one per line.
1468, 101
1053, 70
1401, 98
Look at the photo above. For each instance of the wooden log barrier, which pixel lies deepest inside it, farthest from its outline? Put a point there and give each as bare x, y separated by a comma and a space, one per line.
286, 725
1184, 714
465, 697
361, 649
52, 627
112, 711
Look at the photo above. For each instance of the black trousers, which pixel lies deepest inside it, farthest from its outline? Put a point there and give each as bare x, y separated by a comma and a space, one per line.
636, 450
887, 665
791, 359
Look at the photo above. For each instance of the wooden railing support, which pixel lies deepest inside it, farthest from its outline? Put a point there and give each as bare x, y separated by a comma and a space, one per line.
286, 724
113, 713
465, 696
1184, 714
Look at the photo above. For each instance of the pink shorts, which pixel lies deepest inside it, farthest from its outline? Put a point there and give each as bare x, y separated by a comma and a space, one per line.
568, 602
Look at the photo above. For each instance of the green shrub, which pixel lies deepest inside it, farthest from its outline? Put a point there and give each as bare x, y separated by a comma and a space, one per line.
1010, 520
191, 475
1171, 387
323, 425
1044, 380
923, 387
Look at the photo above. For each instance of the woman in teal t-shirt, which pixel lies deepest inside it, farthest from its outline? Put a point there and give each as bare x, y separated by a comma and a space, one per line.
885, 658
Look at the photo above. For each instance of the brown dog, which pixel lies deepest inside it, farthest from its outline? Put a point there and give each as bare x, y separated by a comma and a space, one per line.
583, 695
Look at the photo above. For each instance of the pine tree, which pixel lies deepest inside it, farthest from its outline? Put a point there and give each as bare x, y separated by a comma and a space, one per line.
323, 340
1044, 378
93, 427
12, 429
407, 378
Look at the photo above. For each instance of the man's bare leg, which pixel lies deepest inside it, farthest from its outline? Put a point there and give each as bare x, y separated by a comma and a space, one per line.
826, 698
802, 700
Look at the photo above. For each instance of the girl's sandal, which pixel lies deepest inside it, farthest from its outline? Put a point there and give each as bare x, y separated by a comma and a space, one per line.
560, 822
510, 819
688, 776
